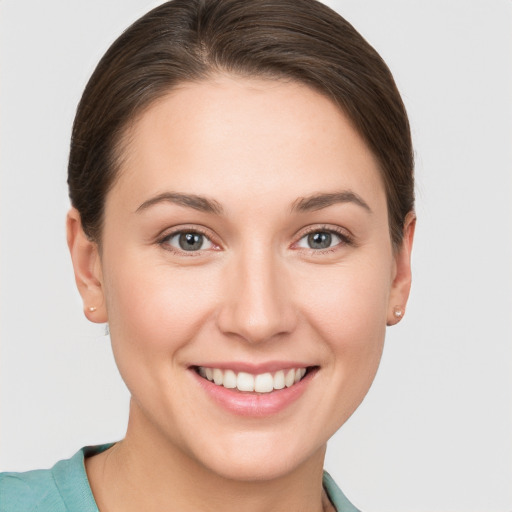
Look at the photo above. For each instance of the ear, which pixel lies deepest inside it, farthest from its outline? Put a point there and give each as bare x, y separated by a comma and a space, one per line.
87, 267
401, 285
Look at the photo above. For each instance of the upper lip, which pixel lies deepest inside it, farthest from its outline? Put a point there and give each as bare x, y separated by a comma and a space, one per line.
253, 368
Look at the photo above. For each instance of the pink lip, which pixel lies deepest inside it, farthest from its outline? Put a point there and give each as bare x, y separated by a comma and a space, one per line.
254, 404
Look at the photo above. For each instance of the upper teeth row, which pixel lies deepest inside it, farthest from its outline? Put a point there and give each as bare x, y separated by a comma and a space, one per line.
262, 383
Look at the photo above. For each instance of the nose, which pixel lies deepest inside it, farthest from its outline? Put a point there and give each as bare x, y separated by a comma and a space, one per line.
257, 305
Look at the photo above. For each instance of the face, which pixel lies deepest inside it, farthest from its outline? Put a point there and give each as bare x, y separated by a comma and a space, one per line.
247, 273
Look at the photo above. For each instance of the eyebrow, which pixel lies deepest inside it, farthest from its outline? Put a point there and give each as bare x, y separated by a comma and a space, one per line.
319, 201
201, 203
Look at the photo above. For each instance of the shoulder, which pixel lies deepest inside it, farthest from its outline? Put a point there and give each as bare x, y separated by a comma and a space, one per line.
32, 490
63, 488
336, 496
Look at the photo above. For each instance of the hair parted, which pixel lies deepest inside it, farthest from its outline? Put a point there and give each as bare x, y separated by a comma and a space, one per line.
191, 40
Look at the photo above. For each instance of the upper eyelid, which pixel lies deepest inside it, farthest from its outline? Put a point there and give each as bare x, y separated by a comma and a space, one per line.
167, 234
172, 231
346, 237
338, 230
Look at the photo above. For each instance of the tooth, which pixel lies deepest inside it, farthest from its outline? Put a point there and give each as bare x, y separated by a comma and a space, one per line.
229, 379
263, 383
245, 382
217, 377
289, 378
279, 380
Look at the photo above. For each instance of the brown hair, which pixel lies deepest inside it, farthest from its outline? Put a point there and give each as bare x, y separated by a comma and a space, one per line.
189, 40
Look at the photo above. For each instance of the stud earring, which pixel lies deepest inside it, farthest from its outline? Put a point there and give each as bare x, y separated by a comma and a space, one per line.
398, 312
91, 309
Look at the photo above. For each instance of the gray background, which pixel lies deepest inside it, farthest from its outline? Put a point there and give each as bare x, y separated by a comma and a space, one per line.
435, 432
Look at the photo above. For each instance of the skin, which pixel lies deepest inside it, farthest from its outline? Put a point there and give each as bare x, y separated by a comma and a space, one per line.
256, 293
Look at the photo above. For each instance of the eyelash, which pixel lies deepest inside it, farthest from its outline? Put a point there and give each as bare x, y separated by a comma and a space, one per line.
346, 240
164, 241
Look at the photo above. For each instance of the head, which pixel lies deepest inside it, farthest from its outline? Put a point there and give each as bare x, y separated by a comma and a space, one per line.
256, 148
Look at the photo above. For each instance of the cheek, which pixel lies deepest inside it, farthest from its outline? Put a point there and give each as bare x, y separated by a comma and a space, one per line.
154, 310
349, 314
349, 305
351, 321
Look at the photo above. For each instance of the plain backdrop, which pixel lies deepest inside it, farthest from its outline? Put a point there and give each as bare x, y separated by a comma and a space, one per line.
435, 432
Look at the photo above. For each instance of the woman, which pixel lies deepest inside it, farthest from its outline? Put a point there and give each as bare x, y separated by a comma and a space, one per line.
241, 179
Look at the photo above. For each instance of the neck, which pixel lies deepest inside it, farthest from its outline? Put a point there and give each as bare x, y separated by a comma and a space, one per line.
147, 472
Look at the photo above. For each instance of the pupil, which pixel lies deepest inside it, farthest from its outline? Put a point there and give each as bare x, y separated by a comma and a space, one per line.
319, 240
191, 241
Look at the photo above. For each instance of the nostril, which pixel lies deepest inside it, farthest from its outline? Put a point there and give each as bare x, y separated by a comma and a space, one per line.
256, 327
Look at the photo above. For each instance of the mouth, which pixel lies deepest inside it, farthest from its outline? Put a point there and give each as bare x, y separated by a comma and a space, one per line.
255, 391
254, 383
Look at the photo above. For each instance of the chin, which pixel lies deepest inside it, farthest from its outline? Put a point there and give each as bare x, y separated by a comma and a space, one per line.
260, 459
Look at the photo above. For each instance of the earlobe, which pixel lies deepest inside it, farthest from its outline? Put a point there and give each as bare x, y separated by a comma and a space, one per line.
87, 267
401, 285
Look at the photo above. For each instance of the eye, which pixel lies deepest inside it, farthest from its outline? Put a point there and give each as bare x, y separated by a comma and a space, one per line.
321, 239
189, 241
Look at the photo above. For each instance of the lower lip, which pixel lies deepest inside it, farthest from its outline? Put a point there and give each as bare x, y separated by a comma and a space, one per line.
254, 404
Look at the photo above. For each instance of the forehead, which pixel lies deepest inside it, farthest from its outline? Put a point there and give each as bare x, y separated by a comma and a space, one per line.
232, 134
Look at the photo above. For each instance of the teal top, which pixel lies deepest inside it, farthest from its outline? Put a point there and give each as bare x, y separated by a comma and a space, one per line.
65, 488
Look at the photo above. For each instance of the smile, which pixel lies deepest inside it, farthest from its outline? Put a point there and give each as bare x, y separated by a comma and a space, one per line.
247, 382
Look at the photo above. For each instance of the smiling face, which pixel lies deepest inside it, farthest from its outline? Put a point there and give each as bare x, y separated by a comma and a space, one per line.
245, 245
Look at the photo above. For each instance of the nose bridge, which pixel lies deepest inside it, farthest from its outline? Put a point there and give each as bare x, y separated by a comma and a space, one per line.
257, 305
